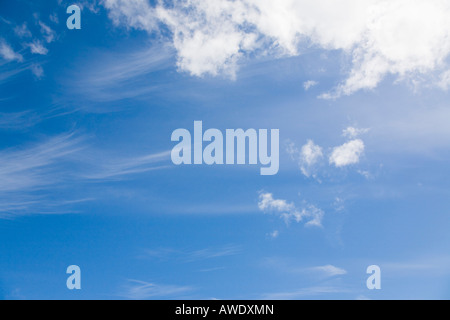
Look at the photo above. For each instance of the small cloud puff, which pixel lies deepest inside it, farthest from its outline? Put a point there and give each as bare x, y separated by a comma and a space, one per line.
352, 132
288, 211
347, 154
309, 84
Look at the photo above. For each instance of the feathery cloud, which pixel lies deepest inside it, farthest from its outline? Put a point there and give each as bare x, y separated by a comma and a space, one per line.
36, 47
22, 31
48, 33
140, 290
329, 270
7, 53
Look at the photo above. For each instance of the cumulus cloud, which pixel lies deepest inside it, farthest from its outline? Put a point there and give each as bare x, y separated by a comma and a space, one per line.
209, 35
406, 38
310, 155
347, 154
288, 211
7, 53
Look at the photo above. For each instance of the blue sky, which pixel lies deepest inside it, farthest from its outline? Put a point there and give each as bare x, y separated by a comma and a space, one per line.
358, 90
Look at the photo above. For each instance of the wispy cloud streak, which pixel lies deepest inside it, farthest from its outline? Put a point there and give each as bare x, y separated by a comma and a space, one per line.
140, 290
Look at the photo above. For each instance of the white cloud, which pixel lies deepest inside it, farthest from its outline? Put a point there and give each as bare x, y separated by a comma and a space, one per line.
302, 293
329, 270
314, 214
268, 203
405, 38
30, 168
309, 156
112, 76
353, 133
347, 154
36, 47
208, 35
365, 174
288, 211
309, 84
444, 81
18, 120
24, 171
7, 53
117, 169
140, 290
196, 255
133, 13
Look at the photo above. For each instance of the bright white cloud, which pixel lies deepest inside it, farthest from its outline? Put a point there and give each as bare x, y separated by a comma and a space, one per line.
268, 203
347, 154
406, 38
209, 35
7, 53
288, 211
